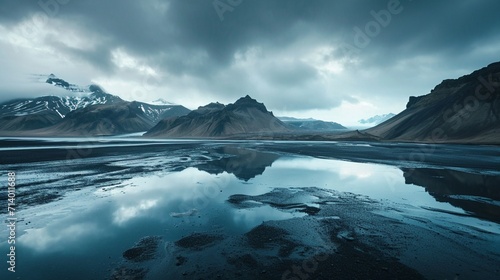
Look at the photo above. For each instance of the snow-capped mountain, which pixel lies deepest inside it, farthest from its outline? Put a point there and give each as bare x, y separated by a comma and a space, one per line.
85, 111
62, 105
375, 120
82, 98
53, 80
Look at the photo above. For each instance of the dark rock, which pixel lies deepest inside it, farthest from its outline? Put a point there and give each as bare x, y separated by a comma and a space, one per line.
198, 241
144, 250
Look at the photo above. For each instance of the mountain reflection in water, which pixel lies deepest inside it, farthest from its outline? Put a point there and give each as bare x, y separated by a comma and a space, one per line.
245, 164
475, 193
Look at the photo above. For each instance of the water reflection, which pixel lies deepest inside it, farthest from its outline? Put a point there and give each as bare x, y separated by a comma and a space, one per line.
476, 193
59, 236
473, 193
97, 226
245, 164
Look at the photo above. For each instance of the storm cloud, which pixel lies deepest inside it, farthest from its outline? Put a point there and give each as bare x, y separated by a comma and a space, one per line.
333, 60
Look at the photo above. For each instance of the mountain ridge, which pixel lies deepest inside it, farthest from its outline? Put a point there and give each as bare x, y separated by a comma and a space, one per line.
465, 110
245, 116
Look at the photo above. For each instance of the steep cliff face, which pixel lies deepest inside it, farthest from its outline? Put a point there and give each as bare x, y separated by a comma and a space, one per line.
245, 116
466, 109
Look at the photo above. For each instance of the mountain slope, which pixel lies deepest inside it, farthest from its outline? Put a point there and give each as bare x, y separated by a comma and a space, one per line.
29, 122
245, 116
102, 119
465, 110
155, 113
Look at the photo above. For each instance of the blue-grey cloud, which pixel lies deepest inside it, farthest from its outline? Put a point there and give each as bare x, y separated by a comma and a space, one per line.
192, 40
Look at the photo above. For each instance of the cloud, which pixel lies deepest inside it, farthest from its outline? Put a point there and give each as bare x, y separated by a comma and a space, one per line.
290, 55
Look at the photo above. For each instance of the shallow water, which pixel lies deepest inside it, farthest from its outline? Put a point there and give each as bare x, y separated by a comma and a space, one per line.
102, 205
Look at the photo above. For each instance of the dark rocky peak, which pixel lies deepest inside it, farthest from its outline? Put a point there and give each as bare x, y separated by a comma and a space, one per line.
212, 106
209, 108
53, 80
246, 102
487, 76
488, 73
96, 89
100, 94
413, 100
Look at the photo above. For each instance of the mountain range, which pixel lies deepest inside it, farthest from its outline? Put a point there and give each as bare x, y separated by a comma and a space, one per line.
463, 110
90, 111
245, 116
83, 112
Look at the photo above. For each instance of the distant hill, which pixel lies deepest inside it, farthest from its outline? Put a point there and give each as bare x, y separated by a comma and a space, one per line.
375, 120
245, 116
292, 119
465, 110
311, 124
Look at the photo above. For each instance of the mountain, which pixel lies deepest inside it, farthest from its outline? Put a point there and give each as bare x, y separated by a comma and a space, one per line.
37, 113
465, 110
310, 124
86, 96
245, 116
105, 119
61, 105
375, 120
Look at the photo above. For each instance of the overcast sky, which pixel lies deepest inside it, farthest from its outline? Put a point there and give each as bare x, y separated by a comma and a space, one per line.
332, 60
